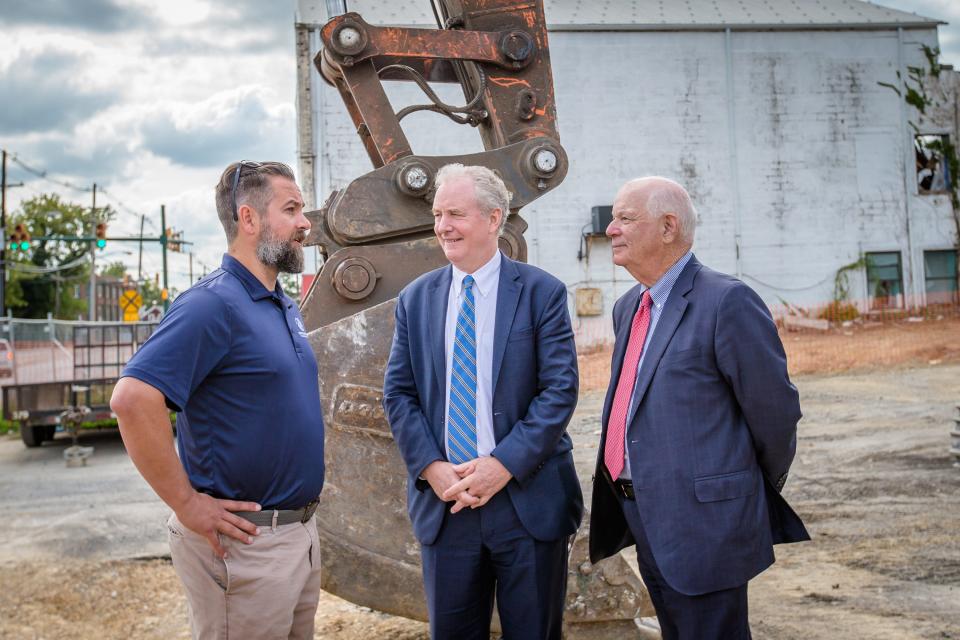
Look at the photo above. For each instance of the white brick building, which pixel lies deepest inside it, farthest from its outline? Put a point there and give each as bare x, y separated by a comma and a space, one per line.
770, 113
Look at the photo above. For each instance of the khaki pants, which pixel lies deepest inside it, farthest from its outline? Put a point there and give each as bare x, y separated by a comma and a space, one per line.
268, 589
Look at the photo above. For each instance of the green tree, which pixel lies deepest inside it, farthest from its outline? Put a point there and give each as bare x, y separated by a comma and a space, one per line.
42, 278
290, 282
150, 291
115, 269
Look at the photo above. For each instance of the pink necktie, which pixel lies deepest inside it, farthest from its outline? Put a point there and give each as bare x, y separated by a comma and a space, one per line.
617, 425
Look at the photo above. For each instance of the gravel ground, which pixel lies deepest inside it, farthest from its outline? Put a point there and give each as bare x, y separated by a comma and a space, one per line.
82, 550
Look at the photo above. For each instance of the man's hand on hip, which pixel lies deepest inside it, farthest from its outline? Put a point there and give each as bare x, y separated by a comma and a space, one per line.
442, 475
482, 478
210, 516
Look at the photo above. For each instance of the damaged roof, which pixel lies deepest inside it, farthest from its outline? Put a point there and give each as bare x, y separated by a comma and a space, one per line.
668, 15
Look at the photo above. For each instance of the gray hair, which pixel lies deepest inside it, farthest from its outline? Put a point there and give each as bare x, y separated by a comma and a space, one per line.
488, 188
253, 189
666, 196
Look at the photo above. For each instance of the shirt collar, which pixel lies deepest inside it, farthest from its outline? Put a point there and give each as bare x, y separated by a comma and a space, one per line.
254, 287
661, 289
483, 278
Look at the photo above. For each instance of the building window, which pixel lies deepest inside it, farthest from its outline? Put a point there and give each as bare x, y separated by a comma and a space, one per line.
933, 171
885, 280
940, 276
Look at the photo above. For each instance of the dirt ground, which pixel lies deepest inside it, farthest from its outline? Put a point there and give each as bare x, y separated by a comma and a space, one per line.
880, 493
81, 599
873, 480
860, 346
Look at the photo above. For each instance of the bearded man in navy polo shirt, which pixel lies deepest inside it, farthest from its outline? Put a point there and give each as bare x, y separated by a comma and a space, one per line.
231, 357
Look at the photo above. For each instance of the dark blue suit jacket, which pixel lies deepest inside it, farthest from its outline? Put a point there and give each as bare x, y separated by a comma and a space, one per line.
534, 394
714, 428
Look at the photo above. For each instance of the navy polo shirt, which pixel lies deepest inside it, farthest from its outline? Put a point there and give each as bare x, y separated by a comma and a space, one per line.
233, 358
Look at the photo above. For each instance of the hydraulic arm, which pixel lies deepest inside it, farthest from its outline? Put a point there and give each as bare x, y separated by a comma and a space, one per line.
376, 233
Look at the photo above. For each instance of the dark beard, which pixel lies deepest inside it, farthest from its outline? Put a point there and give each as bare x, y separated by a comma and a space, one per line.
282, 254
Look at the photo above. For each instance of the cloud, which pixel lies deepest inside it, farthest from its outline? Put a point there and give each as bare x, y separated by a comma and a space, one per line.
99, 149
61, 160
45, 90
275, 16
91, 162
187, 43
235, 124
90, 15
254, 26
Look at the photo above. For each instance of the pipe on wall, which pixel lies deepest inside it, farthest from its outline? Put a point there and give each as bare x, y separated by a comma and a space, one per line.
732, 137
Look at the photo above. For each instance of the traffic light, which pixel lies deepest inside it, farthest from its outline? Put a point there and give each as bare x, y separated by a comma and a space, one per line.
24, 236
20, 238
101, 235
174, 240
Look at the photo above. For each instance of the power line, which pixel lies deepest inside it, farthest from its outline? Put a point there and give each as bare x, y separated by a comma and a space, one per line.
43, 175
30, 268
125, 208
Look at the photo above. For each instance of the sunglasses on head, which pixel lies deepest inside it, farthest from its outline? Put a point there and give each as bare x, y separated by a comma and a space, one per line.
236, 182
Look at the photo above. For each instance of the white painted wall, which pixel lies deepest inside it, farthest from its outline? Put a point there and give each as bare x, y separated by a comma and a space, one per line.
817, 161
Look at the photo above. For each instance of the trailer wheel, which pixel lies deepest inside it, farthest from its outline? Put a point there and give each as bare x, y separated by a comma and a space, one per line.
32, 436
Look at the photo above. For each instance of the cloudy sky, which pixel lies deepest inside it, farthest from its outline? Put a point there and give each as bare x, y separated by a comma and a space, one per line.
150, 100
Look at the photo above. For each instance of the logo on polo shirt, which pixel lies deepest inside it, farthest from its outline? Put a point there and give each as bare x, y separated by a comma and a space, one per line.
303, 332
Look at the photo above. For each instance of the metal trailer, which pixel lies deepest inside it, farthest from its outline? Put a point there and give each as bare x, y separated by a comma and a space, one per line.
37, 407
100, 350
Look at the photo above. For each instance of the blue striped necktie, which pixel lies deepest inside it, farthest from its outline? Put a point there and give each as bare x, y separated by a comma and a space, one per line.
462, 414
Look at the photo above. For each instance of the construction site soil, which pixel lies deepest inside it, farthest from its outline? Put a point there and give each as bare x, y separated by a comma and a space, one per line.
873, 480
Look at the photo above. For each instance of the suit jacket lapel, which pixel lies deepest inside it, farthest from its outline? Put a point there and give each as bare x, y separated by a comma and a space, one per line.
440, 291
508, 296
670, 318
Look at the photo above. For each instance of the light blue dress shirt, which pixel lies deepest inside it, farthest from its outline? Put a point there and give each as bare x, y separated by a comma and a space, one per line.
659, 293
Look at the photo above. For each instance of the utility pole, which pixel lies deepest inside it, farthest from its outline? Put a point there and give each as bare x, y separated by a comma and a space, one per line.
3, 225
191, 268
140, 261
4, 185
163, 243
92, 297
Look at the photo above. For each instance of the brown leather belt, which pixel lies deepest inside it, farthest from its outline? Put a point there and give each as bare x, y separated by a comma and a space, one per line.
624, 488
277, 517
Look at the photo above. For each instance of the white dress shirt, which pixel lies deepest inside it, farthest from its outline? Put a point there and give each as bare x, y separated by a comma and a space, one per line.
486, 283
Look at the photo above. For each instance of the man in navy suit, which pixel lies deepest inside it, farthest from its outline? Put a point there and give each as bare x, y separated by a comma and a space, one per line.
699, 424
480, 385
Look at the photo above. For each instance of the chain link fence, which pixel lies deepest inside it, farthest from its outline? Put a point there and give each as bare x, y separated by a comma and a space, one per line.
819, 339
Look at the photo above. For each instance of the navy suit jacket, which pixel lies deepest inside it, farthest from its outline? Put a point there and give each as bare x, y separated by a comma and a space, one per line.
713, 430
534, 392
